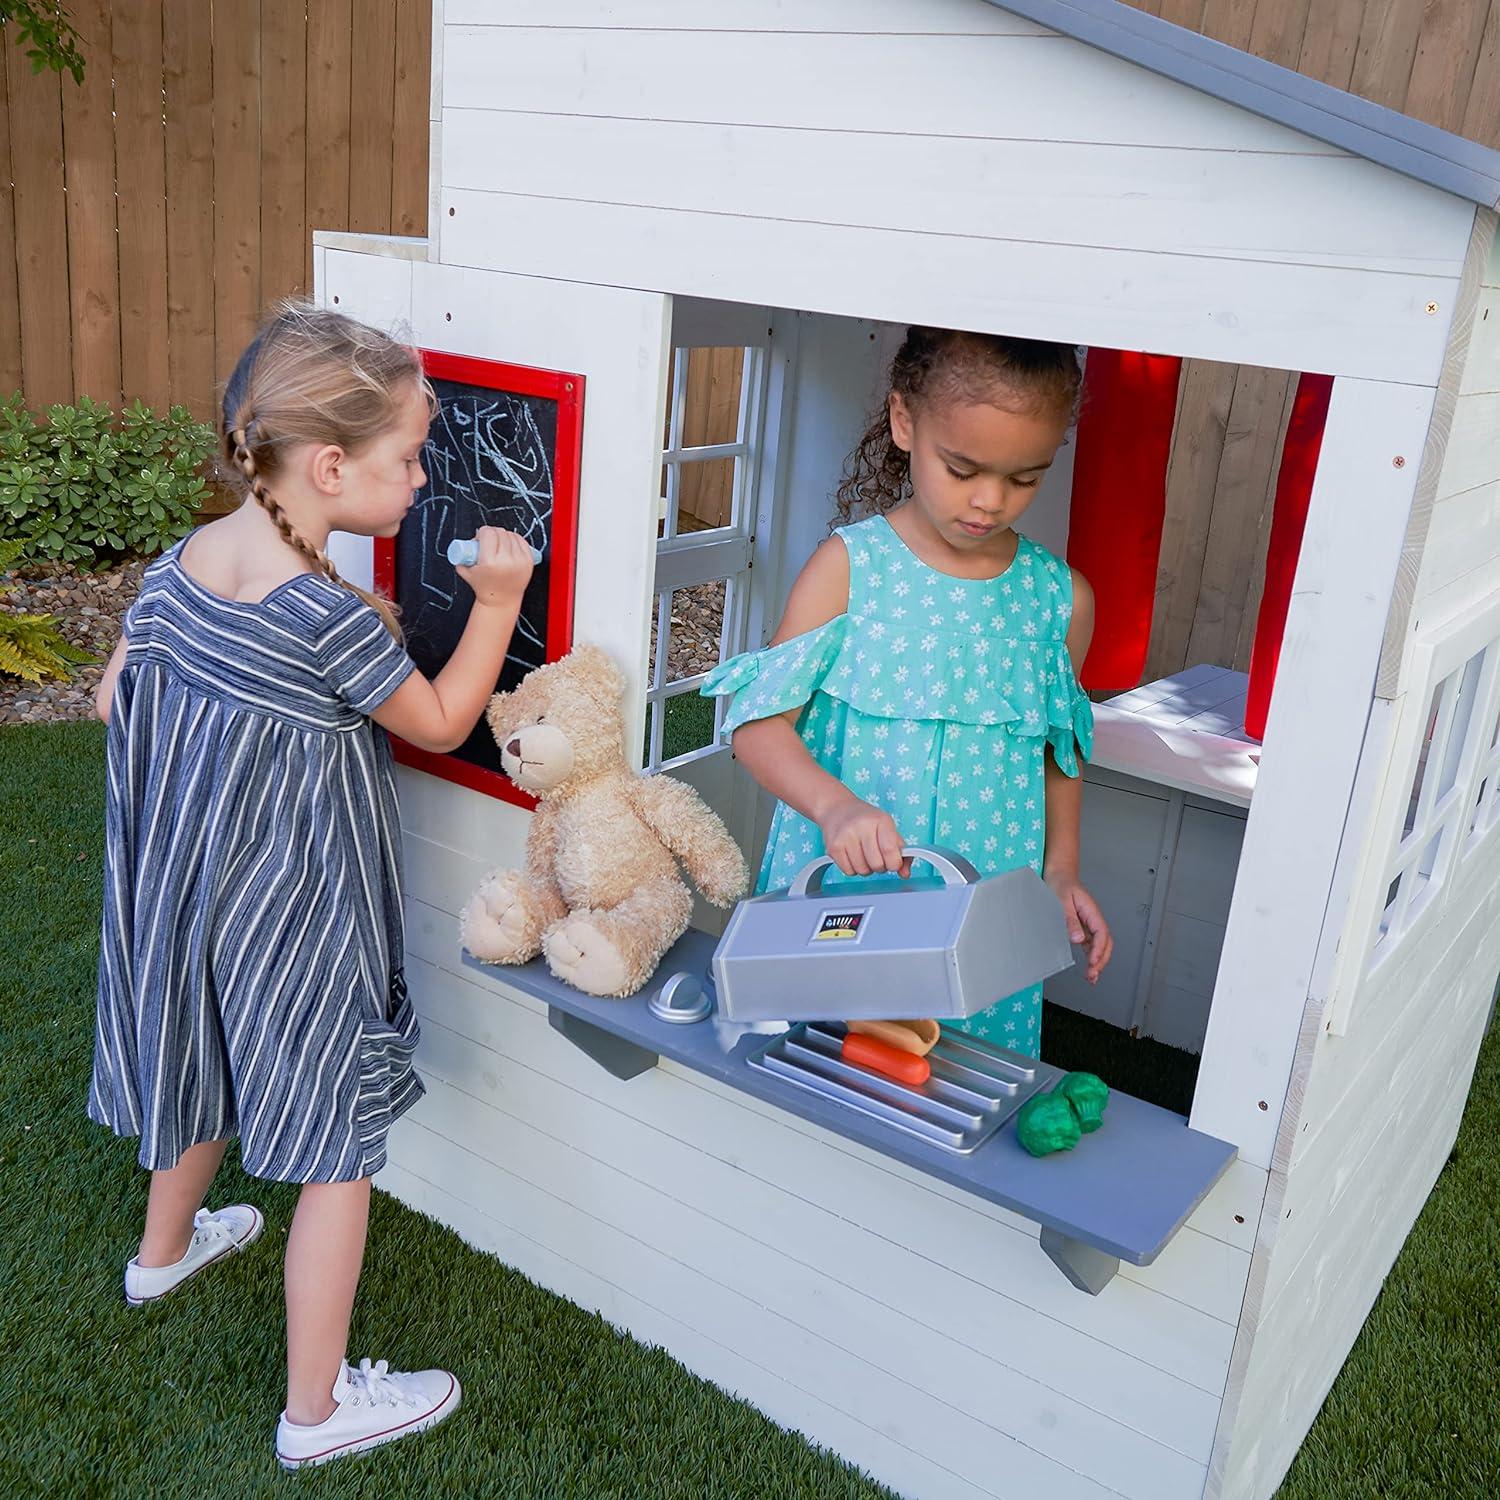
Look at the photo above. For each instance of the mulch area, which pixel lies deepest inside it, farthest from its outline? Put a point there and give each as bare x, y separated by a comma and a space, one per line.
88, 608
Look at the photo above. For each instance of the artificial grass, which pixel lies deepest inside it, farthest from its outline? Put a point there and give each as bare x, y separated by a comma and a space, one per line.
103, 1400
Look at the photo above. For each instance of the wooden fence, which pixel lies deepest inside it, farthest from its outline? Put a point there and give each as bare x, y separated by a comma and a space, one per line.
270, 118
1437, 60
266, 119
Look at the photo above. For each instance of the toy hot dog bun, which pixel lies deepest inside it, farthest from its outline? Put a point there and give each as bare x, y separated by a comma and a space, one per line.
916, 1037
881, 1057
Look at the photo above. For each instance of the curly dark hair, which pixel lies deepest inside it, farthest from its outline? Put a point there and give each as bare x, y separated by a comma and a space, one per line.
943, 364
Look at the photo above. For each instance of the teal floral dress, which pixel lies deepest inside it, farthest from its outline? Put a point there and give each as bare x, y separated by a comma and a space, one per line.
934, 698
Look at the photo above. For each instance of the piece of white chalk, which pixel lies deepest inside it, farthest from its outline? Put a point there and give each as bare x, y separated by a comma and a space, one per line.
463, 552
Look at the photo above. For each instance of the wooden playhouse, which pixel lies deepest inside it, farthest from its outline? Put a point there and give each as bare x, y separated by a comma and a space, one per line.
619, 186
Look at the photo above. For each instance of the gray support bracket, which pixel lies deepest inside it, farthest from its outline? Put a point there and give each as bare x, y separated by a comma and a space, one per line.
614, 1054
1090, 1270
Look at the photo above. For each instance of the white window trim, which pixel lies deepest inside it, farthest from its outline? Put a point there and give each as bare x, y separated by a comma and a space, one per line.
1434, 656
686, 560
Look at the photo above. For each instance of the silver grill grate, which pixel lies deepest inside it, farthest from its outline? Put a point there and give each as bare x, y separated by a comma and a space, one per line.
974, 1089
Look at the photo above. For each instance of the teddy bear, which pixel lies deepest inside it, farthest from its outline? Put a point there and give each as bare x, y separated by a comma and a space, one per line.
601, 895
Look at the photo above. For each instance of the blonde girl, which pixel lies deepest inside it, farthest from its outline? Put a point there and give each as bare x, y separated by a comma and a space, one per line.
250, 976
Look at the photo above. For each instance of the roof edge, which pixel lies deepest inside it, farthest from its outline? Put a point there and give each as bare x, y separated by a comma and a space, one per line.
1386, 136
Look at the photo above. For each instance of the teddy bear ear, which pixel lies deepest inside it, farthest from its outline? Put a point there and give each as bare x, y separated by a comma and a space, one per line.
599, 671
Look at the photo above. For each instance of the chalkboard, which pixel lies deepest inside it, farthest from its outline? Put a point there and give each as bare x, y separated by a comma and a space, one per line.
503, 450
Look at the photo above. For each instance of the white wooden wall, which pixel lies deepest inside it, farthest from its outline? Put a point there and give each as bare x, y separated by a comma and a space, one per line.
1373, 1111
919, 1332
926, 161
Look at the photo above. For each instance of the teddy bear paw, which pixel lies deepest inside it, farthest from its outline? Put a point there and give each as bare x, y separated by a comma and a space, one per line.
497, 925
580, 954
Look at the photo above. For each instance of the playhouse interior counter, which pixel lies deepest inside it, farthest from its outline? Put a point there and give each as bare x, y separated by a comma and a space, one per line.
1121, 1195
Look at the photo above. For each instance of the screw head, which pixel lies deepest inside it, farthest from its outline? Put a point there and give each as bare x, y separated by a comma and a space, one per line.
1398, 462
1432, 307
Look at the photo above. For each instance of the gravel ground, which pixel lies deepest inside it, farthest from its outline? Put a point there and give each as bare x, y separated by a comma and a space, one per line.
90, 606
697, 622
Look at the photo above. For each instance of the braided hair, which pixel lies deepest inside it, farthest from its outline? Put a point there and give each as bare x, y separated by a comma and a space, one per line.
312, 376
942, 365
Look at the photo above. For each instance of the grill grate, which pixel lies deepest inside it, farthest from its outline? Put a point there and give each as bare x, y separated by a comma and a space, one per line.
974, 1089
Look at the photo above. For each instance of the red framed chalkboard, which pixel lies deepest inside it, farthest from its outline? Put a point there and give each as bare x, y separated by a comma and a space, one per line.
504, 450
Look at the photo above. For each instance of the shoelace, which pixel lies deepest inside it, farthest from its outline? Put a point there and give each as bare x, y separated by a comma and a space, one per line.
377, 1386
207, 1226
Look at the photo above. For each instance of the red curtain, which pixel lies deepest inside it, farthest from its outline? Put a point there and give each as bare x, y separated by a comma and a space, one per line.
1119, 501
1294, 482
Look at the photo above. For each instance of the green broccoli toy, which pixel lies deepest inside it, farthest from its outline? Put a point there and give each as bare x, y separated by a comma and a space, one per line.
1056, 1120
1087, 1093
1047, 1123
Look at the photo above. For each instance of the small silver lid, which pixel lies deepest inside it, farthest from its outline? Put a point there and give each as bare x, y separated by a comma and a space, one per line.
682, 998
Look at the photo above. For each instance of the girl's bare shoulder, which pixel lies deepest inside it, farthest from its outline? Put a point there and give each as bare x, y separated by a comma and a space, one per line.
820, 594
236, 561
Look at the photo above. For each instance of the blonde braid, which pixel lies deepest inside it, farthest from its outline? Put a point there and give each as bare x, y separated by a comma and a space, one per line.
244, 459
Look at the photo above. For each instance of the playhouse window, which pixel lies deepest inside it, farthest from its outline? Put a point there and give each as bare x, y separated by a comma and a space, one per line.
1450, 794
709, 473
1483, 817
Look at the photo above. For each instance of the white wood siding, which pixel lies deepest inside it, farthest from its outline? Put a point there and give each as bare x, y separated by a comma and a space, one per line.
924, 1333
917, 1331
811, 157
1461, 561
1373, 1111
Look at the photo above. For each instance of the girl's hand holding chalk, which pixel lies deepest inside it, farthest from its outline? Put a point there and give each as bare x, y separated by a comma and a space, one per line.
464, 552
499, 567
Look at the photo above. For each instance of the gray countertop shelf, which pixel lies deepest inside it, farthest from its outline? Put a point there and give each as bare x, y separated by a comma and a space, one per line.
1120, 1195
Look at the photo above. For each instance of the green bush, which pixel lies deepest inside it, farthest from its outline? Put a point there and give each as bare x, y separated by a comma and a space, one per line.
31, 646
86, 488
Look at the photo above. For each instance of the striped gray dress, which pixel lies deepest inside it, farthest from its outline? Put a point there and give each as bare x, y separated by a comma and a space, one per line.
250, 968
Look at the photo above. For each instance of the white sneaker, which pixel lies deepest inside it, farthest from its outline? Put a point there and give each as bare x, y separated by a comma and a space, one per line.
214, 1236
375, 1405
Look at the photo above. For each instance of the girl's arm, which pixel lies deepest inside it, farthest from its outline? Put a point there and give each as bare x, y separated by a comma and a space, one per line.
104, 694
1064, 803
862, 839
439, 715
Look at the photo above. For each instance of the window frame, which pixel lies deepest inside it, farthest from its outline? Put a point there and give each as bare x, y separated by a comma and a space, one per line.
1449, 815
692, 559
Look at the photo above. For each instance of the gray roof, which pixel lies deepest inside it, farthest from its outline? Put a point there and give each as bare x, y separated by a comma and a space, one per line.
1382, 135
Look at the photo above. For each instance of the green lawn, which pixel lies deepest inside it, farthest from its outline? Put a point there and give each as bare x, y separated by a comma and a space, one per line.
179, 1399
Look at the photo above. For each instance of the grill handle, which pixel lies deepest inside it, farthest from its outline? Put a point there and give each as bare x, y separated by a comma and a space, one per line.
954, 868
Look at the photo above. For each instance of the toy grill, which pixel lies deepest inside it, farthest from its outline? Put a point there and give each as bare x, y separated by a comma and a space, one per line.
945, 946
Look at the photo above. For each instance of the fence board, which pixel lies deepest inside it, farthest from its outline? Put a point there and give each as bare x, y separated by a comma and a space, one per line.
36, 154
10, 304
371, 112
236, 85
1331, 40
1482, 112
147, 217
187, 75
283, 148
1277, 31
1387, 48
330, 34
92, 243
1241, 512
409, 179
140, 185
1192, 480
1442, 72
